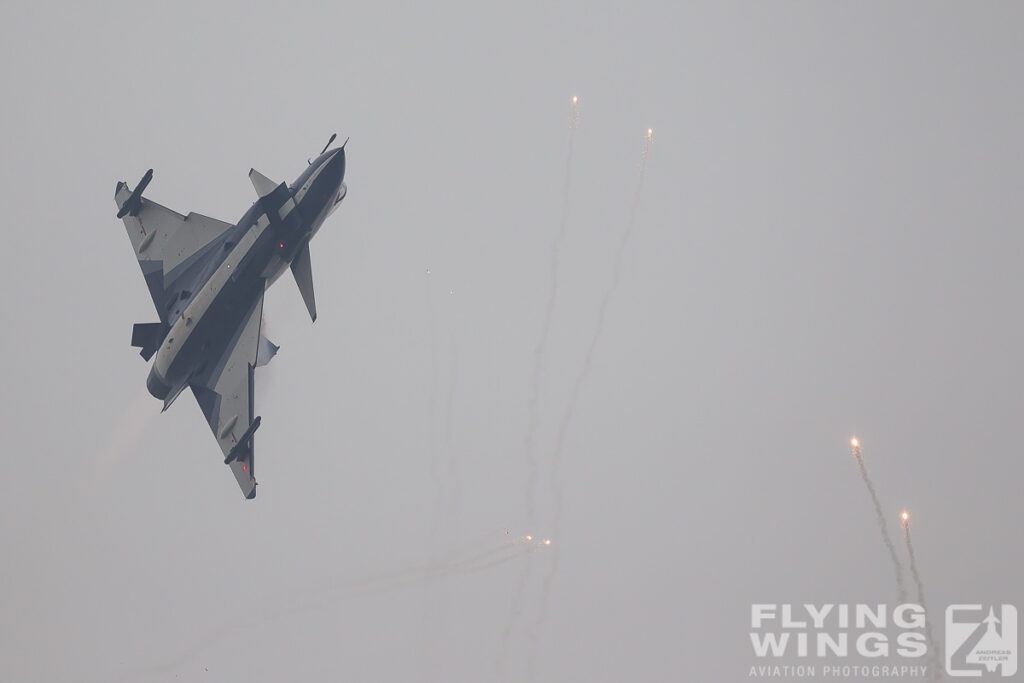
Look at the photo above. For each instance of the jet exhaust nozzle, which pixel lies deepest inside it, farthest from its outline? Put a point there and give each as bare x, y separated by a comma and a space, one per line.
156, 386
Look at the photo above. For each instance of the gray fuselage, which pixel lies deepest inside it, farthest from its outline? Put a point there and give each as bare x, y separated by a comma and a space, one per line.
234, 272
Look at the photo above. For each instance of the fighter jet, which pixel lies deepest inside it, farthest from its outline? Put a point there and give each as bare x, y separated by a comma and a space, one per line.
207, 279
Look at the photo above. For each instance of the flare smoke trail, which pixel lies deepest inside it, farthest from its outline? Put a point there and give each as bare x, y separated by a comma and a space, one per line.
453, 456
566, 420
447, 500
461, 564
517, 600
435, 466
574, 394
896, 564
933, 647
533, 407
533, 418
447, 567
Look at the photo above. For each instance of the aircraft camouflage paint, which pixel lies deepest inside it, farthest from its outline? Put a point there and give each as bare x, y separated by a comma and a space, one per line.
207, 279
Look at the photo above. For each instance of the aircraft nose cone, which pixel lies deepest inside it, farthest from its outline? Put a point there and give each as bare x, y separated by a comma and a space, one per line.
336, 165
318, 187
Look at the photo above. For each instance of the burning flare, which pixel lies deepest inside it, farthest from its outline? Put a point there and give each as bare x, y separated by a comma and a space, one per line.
880, 519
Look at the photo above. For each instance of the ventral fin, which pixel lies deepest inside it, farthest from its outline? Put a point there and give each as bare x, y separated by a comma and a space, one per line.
265, 351
303, 271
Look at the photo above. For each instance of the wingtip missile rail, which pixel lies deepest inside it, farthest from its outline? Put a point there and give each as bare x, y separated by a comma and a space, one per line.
132, 205
243, 443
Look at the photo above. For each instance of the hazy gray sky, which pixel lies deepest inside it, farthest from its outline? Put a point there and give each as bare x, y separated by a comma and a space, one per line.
828, 243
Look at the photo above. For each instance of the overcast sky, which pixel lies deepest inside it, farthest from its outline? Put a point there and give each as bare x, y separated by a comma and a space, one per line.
828, 243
